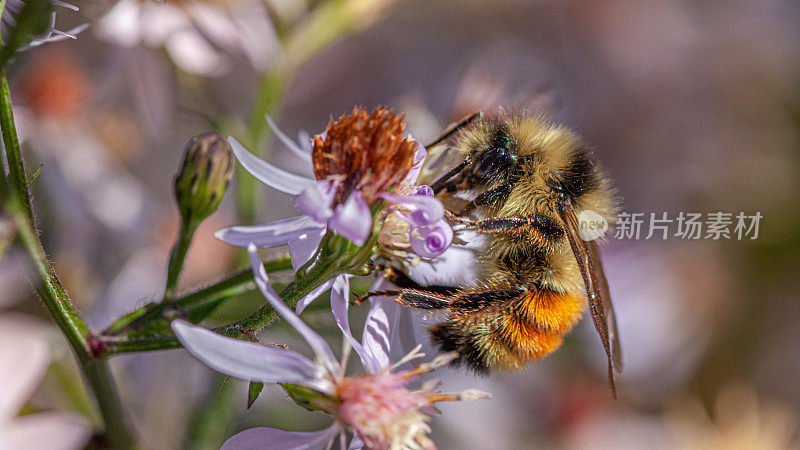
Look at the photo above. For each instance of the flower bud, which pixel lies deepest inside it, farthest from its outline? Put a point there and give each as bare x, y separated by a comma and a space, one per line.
204, 177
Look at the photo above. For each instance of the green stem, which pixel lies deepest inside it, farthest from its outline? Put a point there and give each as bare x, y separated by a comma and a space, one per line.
80, 338
267, 102
195, 305
243, 329
178, 255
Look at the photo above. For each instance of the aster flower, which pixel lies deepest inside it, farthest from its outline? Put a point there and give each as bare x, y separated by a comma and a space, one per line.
378, 406
9, 21
360, 161
24, 358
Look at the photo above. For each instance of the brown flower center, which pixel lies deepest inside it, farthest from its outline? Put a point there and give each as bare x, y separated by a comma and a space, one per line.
364, 151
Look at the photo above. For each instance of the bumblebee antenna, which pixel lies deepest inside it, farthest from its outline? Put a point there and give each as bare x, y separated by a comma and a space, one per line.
454, 128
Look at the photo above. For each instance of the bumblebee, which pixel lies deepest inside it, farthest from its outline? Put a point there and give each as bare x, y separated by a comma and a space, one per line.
520, 181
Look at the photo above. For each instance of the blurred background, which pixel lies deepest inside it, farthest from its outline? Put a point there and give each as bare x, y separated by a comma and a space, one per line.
689, 106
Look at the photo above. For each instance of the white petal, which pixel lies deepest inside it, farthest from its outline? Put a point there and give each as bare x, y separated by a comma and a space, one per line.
305, 301
45, 431
340, 302
291, 145
23, 362
121, 24
317, 343
268, 174
249, 360
303, 247
378, 329
270, 234
276, 439
194, 54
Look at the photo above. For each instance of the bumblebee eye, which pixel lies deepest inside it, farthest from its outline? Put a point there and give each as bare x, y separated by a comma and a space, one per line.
490, 161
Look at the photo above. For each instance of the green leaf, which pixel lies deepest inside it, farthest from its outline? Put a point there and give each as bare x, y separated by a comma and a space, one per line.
35, 174
253, 392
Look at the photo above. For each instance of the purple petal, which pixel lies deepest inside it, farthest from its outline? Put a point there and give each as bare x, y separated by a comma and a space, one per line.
249, 360
356, 443
292, 146
270, 234
352, 220
423, 210
317, 343
305, 301
268, 174
431, 241
276, 439
316, 200
340, 301
303, 247
419, 159
378, 328
425, 190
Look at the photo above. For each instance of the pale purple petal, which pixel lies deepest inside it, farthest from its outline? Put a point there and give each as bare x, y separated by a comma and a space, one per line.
276, 439
305, 301
340, 301
315, 201
249, 360
270, 234
425, 190
432, 241
356, 443
24, 359
305, 141
419, 159
268, 174
45, 431
292, 146
422, 209
303, 247
352, 220
317, 343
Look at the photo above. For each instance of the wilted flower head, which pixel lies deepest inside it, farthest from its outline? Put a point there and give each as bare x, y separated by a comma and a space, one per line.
364, 152
378, 406
360, 161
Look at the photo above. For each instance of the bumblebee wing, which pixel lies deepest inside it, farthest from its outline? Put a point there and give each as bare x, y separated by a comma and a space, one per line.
596, 290
608, 307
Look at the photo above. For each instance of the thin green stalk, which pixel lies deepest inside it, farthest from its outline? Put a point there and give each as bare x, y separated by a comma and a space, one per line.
80, 338
177, 256
194, 305
243, 329
267, 102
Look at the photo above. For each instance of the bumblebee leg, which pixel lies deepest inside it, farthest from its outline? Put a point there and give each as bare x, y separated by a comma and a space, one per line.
403, 281
489, 198
493, 196
537, 227
420, 299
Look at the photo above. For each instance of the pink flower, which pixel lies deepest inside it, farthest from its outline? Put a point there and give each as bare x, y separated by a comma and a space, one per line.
24, 358
378, 406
